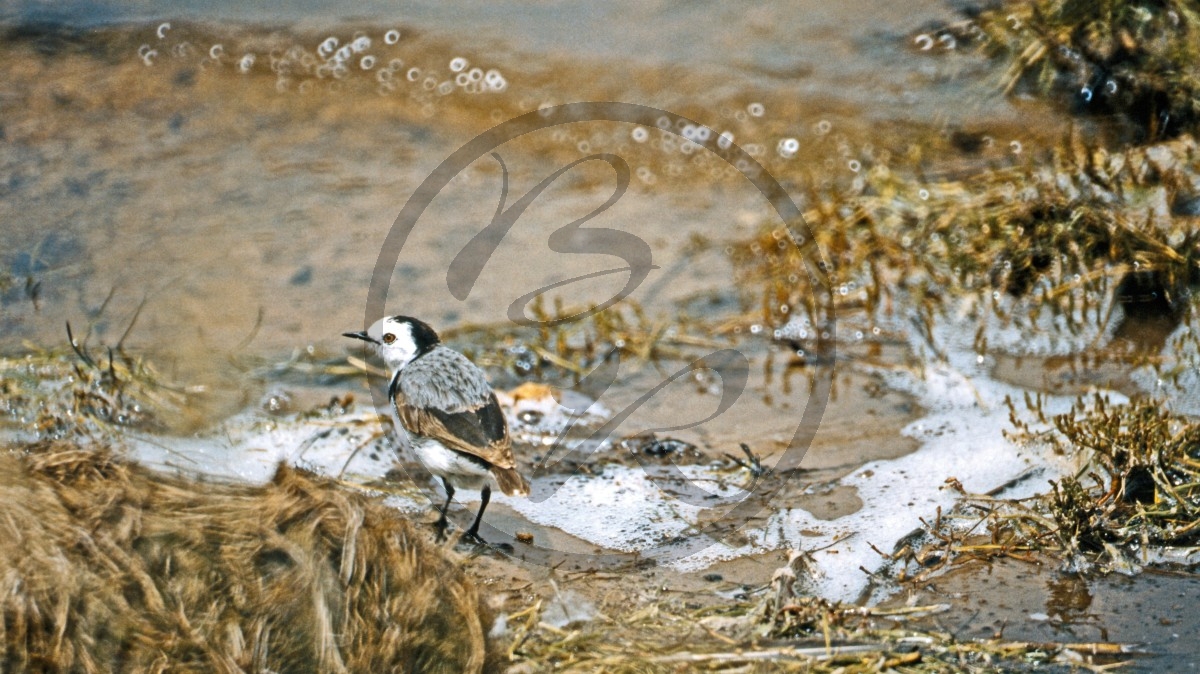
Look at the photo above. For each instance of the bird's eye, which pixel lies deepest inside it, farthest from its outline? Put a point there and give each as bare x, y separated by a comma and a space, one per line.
389, 338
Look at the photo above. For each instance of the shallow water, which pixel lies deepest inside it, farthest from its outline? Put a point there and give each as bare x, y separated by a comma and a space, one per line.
210, 209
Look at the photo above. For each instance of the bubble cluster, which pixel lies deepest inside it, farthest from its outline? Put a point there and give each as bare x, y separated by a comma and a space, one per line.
336, 60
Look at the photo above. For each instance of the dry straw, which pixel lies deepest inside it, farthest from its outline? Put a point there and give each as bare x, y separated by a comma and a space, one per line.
108, 567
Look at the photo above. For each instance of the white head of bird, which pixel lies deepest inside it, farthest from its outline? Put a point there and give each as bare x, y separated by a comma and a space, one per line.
398, 339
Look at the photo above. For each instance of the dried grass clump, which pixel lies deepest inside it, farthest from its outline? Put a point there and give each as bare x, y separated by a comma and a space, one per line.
55, 395
1135, 502
109, 567
568, 342
1139, 59
1140, 489
1065, 238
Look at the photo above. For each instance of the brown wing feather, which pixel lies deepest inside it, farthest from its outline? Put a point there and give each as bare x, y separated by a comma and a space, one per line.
479, 431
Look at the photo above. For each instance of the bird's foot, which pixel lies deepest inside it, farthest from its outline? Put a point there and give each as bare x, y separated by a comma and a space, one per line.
442, 526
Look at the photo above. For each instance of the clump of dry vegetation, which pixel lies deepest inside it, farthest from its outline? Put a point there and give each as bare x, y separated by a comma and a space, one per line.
109, 567
1134, 502
1065, 239
569, 342
1139, 59
55, 395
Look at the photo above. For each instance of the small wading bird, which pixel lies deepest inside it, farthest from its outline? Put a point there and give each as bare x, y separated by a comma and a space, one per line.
445, 404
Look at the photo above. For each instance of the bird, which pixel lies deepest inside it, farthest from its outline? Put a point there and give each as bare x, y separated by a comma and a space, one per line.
446, 406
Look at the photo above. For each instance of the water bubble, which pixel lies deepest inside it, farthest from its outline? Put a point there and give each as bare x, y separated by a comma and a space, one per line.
640, 135
162, 29
663, 122
395, 64
340, 71
327, 46
688, 131
413, 74
1111, 86
755, 150
462, 79
645, 175
216, 52
1014, 21
149, 56
756, 109
429, 83
790, 145
343, 54
360, 44
446, 88
725, 140
923, 194
1086, 94
246, 63
1016, 146
948, 41
584, 147
367, 62
143, 50
458, 64
823, 127
495, 81
703, 133
476, 74
391, 37
855, 165
924, 42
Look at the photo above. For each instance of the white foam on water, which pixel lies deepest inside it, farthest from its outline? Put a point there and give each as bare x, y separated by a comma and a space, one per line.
961, 436
250, 446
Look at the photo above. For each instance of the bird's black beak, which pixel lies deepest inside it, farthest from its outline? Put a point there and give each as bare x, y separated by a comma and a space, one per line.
360, 335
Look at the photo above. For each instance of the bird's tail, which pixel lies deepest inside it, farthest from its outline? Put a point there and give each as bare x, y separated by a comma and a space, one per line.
510, 481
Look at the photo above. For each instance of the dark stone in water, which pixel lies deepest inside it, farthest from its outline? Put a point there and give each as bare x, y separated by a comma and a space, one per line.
1146, 295
970, 143
302, 277
1139, 486
650, 445
184, 78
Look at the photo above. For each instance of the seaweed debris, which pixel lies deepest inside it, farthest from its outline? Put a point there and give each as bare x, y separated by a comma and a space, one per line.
563, 344
110, 567
1138, 59
783, 630
1135, 502
1058, 244
57, 394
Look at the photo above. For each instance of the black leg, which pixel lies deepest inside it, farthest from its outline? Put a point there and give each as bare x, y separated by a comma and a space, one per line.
484, 496
443, 522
